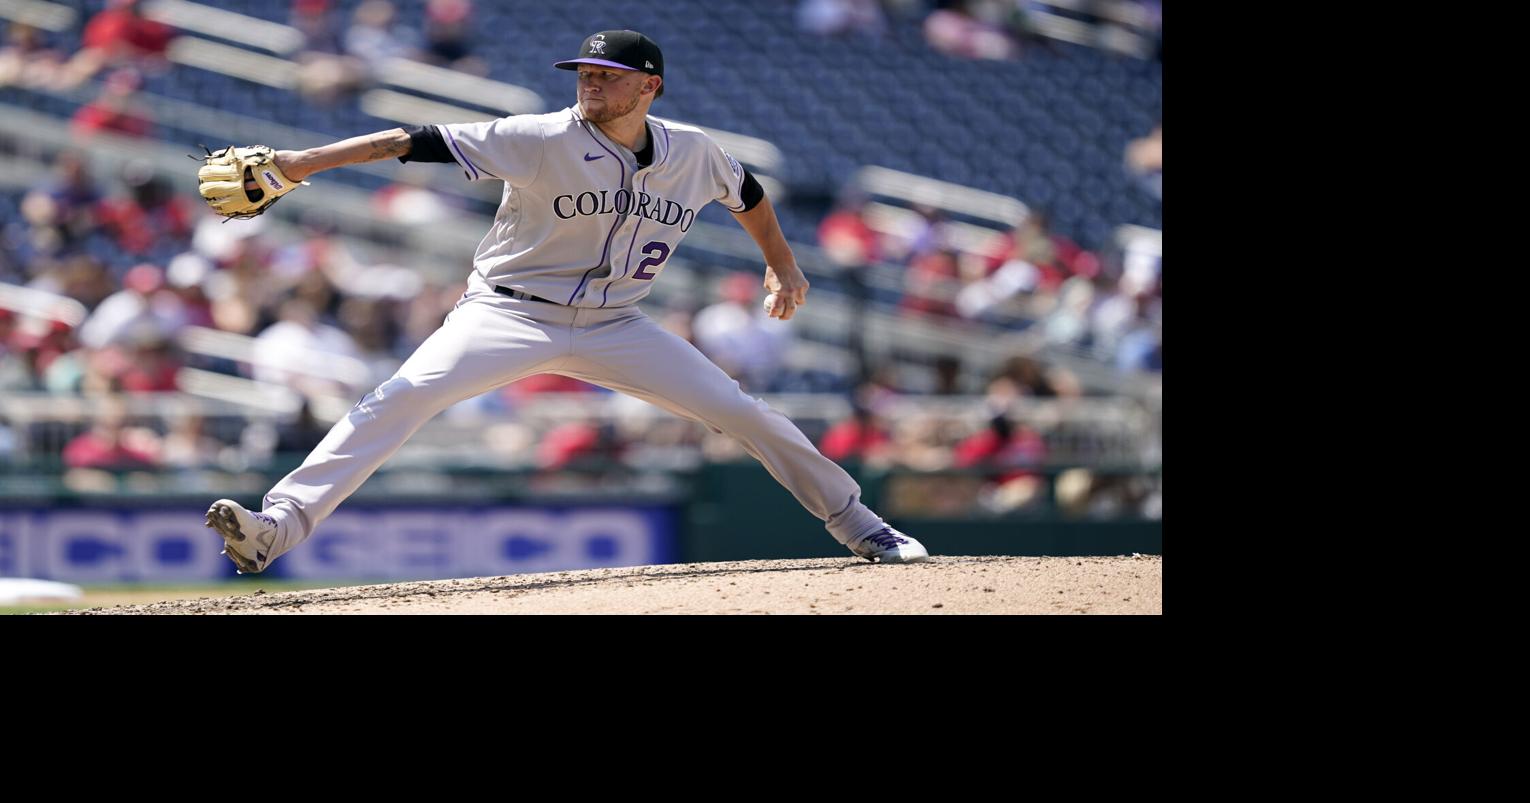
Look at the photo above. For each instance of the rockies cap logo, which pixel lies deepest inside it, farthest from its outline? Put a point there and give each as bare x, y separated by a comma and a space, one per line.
628, 50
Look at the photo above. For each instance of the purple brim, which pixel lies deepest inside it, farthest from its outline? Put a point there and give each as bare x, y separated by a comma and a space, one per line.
565, 65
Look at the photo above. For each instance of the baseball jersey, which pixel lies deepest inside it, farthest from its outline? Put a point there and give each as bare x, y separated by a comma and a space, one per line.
581, 223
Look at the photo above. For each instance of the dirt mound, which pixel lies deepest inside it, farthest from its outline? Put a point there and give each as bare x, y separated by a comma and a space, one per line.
991, 585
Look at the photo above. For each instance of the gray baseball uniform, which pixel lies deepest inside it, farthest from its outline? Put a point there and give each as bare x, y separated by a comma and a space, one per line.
586, 228
568, 186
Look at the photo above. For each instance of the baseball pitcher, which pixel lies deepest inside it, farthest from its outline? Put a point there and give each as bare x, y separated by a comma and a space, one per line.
597, 197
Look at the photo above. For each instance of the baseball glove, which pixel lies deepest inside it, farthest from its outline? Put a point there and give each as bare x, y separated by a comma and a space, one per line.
242, 182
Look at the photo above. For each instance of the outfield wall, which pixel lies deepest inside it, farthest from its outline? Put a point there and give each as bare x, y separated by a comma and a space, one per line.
732, 512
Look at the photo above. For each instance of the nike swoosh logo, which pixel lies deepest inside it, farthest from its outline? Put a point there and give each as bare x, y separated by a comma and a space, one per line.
589, 158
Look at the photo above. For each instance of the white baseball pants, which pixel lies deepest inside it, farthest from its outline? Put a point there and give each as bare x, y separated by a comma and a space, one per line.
490, 340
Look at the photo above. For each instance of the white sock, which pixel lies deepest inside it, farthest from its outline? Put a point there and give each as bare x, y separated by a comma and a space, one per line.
854, 522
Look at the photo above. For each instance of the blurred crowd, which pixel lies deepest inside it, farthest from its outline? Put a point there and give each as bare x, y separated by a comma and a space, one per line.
148, 266
320, 321
148, 269
117, 37
995, 29
1107, 305
338, 56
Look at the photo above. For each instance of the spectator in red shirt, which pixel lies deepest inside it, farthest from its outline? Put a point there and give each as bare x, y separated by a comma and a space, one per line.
120, 35
846, 237
1002, 444
41, 350
931, 282
861, 436
577, 442
115, 110
1054, 256
150, 215
523, 389
121, 31
152, 368
109, 443
1009, 451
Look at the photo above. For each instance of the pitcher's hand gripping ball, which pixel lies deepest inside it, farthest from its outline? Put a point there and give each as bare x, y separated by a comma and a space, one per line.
242, 182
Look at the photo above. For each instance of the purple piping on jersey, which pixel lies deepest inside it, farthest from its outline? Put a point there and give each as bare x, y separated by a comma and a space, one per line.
460, 154
612, 233
628, 266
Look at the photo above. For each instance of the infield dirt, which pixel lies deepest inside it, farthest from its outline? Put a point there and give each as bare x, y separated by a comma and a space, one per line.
964, 585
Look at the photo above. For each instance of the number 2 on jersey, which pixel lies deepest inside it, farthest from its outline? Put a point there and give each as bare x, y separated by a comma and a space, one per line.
658, 252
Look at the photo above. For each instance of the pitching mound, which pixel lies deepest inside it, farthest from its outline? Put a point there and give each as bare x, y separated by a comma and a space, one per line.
1001, 585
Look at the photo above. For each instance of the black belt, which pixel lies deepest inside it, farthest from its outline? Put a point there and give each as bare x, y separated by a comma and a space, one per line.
506, 291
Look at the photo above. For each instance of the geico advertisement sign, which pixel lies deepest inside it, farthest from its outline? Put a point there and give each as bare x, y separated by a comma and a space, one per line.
106, 546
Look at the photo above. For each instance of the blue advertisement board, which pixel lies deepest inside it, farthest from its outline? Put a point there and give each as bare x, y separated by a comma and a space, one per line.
95, 545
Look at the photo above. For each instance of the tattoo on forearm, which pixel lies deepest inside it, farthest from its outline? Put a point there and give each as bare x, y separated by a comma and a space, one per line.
386, 145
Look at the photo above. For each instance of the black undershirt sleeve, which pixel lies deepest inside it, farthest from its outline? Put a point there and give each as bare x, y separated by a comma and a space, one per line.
426, 145
752, 193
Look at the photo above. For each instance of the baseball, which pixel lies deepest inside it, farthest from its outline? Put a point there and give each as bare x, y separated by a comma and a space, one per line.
770, 302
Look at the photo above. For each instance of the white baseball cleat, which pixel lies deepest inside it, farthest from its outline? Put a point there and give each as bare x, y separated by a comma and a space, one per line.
889, 546
247, 537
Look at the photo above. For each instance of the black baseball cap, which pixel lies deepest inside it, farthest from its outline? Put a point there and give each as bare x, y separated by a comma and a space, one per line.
624, 50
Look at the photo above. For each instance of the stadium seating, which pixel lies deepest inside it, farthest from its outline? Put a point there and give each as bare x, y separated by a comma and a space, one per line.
1049, 128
